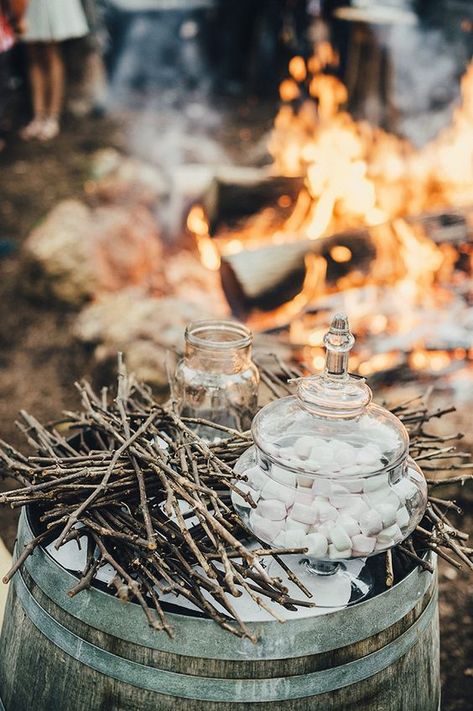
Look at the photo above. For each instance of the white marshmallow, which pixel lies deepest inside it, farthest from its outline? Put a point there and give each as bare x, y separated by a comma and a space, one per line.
371, 523
388, 513
325, 529
382, 496
282, 475
304, 496
402, 517
335, 554
257, 478
317, 544
370, 454
246, 489
303, 446
322, 487
405, 489
356, 507
304, 514
344, 454
321, 454
363, 544
340, 538
341, 501
273, 509
326, 512
292, 525
275, 490
295, 539
264, 528
349, 524
373, 483
286, 453
392, 533
280, 540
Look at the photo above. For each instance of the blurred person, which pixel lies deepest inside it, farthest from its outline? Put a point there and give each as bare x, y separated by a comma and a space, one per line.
11, 27
49, 22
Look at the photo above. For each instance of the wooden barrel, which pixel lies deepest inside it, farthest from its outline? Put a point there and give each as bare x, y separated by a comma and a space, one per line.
90, 653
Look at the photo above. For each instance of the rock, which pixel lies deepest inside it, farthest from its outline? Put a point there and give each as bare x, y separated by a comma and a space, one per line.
78, 253
144, 328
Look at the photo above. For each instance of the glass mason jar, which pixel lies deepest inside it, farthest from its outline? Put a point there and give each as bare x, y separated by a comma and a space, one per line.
216, 380
329, 471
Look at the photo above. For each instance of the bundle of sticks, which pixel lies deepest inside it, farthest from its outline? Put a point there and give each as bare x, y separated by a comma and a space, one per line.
153, 500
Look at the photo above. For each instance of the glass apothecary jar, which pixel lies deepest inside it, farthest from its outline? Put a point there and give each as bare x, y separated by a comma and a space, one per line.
216, 380
329, 471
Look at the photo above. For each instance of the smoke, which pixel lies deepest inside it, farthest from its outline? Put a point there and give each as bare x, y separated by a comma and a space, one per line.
162, 80
426, 67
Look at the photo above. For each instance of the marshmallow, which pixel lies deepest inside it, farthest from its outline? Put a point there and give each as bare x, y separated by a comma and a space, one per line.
285, 453
292, 525
325, 529
304, 496
405, 489
356, 507
272, 508
341, 501
282, 476
303, 446
275, 490
321, 454
305, 481
393, 533
280, 540
322, 487
335, 554
257, 478
371, 523
349, 524
373, 483
344, 453
370, 454
382, 496
246, 489
402, 517
388, 513
317, 544
326, 512
340, 538
304, 514
295, 539
363, 544
264, 528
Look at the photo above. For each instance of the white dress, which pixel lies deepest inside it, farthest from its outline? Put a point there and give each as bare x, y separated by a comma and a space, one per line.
54, 20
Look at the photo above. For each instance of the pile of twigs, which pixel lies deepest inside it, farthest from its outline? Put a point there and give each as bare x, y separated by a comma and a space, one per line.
153, 499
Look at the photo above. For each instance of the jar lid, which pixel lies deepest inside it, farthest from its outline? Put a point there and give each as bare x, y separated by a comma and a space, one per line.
331, 427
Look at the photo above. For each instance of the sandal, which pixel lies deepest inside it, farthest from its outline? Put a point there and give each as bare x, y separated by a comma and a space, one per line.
33, 129
50, 129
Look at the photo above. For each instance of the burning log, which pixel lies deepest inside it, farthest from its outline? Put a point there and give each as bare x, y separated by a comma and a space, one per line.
271, 276
229, 203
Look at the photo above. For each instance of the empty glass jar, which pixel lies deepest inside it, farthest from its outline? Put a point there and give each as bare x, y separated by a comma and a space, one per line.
329, 471
216, 380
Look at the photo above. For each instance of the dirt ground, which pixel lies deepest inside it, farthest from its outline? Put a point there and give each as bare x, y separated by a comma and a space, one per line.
39, 359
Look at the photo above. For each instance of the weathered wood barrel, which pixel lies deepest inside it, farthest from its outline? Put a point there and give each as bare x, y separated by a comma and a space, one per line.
90, 653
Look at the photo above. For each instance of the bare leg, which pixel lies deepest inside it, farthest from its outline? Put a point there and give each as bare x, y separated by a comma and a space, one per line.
56, 78
38, 89
55, 70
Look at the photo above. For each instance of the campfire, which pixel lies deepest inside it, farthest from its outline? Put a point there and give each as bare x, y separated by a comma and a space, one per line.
349, 216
